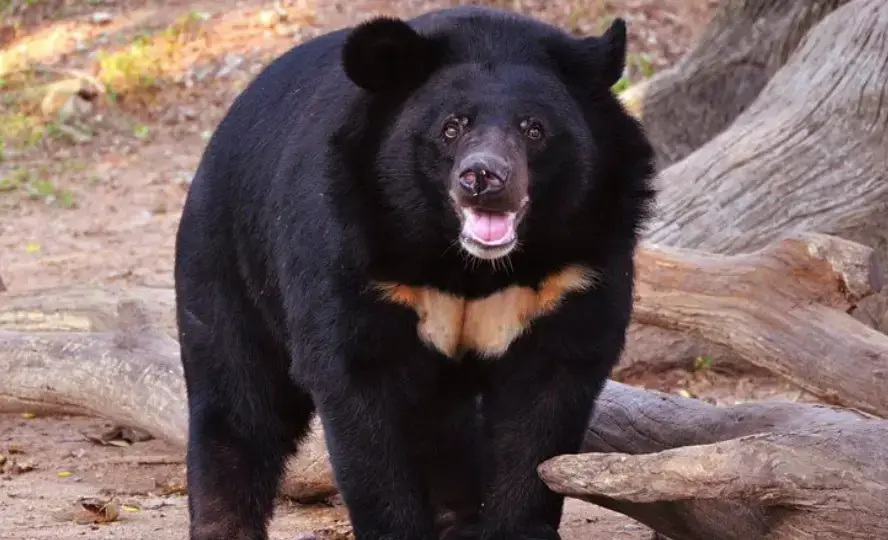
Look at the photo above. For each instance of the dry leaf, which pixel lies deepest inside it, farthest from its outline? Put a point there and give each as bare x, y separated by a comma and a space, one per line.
64, 474
174, 489
89, 511
120, 436
9, 465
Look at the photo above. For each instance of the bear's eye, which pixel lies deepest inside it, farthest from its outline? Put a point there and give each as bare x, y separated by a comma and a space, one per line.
453, 128
532, 130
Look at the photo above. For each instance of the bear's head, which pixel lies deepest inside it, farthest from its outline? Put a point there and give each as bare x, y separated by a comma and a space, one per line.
498, 130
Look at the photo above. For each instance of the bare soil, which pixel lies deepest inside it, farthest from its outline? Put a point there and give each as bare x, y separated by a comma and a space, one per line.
104, 211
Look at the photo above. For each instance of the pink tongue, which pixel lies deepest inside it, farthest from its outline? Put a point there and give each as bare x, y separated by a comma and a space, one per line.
488, 227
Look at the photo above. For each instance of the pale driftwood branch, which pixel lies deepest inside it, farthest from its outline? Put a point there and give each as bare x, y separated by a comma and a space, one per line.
125, 370
756, 471
131, 375
783, 308
85, 309
102, 373
739, 50
121, 366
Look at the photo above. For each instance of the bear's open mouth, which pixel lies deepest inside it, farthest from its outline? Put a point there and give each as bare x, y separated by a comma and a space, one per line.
489, 234
490, 229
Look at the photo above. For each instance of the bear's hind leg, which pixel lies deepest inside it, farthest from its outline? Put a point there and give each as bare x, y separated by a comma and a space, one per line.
246, 417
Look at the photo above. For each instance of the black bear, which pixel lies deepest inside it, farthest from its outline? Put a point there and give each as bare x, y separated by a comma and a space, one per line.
422, 231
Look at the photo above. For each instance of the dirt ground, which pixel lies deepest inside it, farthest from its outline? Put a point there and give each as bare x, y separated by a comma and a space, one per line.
94, 199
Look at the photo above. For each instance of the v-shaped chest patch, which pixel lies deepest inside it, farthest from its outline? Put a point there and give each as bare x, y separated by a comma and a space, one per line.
488, 326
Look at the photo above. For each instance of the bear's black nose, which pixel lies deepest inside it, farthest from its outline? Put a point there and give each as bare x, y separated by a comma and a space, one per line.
483, 174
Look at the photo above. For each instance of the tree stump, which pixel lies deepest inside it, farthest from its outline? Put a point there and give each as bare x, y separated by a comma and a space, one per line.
738, 52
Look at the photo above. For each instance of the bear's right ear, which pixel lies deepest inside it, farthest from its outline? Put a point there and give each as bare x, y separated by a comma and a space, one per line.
387, 55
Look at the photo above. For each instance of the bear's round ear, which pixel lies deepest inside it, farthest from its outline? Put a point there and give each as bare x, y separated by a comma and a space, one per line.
385, 55
613, 52
598, 60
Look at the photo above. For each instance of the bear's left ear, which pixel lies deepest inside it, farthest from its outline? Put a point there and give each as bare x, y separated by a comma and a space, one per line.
605, 56
386, 55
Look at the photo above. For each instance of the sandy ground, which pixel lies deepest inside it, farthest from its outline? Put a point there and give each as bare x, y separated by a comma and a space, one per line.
144, 481
104, 211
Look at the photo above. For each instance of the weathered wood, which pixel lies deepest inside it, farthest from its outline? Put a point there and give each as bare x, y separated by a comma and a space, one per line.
805, 269
782, 308
109, 373
794, 292
131, 375
756, 471
807, 155
123, 364
123, 369
739, 50
85, 309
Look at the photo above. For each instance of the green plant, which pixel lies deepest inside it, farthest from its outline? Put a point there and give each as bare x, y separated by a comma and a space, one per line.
36, 187
702, 363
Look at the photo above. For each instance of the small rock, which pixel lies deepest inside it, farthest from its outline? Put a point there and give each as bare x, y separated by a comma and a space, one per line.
187, 113
269, 17
75, 107
153, 504
284, 31
76, 135
202, 73
232, 61
183, 178
101, 17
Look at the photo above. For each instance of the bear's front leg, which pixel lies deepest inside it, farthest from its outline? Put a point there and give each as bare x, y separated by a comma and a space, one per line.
537, 405
368, 438
371, 423
530, 415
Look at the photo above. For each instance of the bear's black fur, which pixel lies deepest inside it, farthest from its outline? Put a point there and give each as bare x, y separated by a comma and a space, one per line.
356, 159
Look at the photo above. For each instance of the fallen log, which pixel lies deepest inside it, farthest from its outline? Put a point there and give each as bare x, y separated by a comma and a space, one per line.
133, 376
127, 372
85, 309
123, 364
739, 50
786, 305
757, 471
783, 308
789, 277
